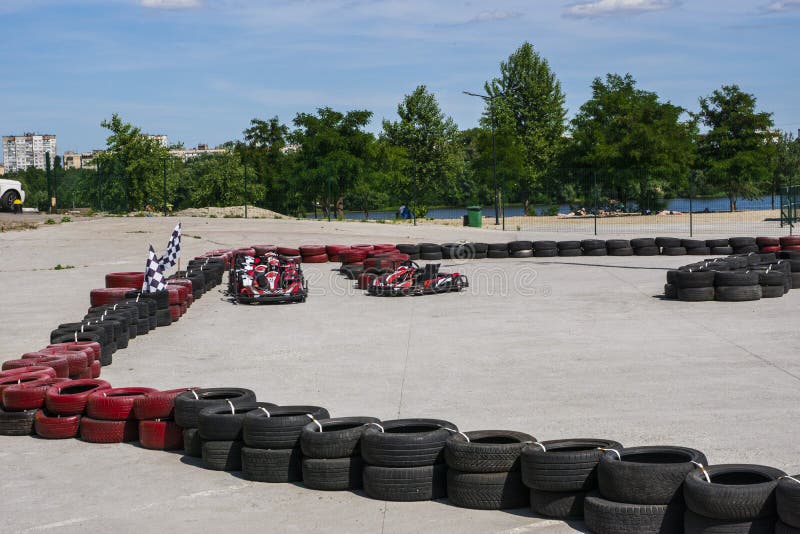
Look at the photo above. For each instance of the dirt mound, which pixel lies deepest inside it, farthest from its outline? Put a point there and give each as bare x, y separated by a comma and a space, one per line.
230, 211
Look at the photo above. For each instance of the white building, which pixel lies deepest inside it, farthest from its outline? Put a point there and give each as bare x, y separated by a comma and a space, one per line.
163, 140
23, 151
186, 154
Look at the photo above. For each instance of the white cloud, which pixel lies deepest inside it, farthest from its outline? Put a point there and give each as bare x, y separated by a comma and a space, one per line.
170, 4
488, 16
606, 8
784, 5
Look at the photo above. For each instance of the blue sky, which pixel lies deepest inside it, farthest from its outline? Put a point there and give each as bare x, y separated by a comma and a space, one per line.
199, 70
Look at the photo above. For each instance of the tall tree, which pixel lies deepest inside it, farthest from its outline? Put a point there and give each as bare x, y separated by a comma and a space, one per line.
265, 154
430, 141
333, 147
138, 159
639, 145
736, 150
528, 105
786, 165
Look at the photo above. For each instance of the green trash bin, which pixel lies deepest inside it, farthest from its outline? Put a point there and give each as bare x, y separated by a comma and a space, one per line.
474, 216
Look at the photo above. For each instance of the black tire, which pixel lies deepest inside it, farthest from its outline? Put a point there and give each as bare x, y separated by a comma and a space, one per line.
672, 277
409, 249
646, 475
620, 252
772, 278
219, 423
497, 247
668, 242
795, 280
429, 248
463, 251
406, 442
612, 244
7, 200
279, 465
340, 437
699, 251
673, 251
749, 249
521, 254
569, 245
593, 244
480, 248
783, 528
607, 517
712, 243
192, 444
787, 497
516, 246
721, 251
558, 504
545, 245
693, 243
222, 455
564, 464
670, 291
570, 252
281, 429
595, 252
736, 278
696, 294
737, 492
771, 292
428, 256
333, 474
737, 293
142, 326
642, 242
188, 407
690, 279
406, 484
648, 251
486, 491
738, 242
16, 423
161, 298
497, 254
163, 318
697, 524
487, 451
545, 253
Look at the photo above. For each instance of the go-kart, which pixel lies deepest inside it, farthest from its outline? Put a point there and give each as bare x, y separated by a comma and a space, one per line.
411, 279
270, 278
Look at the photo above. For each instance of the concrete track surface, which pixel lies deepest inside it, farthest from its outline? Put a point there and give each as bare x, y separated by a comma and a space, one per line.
572, 347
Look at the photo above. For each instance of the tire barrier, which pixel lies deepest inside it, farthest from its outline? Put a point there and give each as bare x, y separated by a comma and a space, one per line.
55, 393
736, 278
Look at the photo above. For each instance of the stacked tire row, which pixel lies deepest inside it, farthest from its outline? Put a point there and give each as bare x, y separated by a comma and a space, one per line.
737, 278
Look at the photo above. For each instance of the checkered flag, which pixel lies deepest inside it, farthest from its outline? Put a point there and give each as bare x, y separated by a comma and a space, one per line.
173, 252
154, 279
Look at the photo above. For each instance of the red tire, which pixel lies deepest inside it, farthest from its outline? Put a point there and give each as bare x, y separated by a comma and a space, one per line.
112, 295
790, 240
102, 431
312, 250
176, 296
95, 367
185, 282
770, 248
320, 258
158, 404
384, 246
115, 404
56, 427
69, 398
795, 248
160, 435
767, 241
242, 252
297, 259
288, 251
57, 363
175, 312
28, 395
40, 369
20, 379
94, 346
352, 256
129, 279
362, 246
77, 360
264, 249
86, 373
333, 251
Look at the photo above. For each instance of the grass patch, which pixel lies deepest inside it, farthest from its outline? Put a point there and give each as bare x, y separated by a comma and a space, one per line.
50, 221
66, 219
60, 267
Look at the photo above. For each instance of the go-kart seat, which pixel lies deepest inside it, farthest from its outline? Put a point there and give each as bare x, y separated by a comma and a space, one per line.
429, 272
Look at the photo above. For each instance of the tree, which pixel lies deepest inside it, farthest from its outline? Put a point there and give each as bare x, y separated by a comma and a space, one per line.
736, 151
333, 147
430, 141
135, 158
529, 106
636, 142
265, 154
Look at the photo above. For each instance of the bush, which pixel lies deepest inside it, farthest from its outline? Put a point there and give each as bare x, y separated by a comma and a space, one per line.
65, 219
49, 221
420, 211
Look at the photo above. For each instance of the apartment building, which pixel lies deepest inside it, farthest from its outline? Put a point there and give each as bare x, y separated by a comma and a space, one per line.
185, 154
23, 151
80, 160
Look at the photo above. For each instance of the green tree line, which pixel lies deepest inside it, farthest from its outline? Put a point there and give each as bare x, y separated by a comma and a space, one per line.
624, 144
